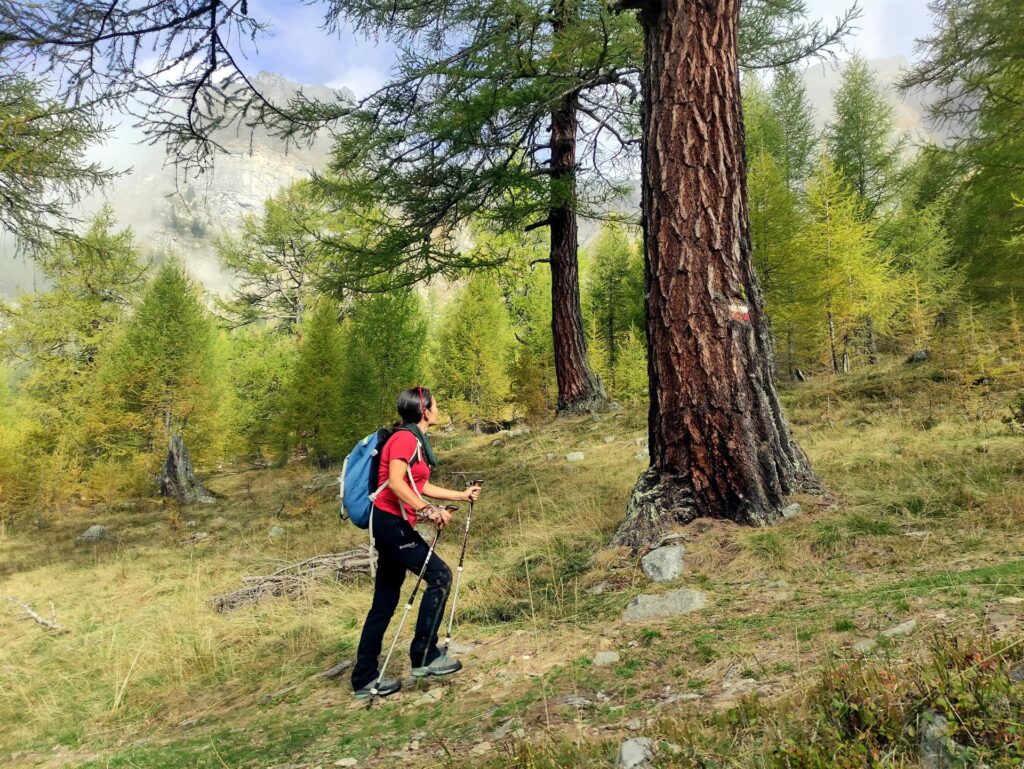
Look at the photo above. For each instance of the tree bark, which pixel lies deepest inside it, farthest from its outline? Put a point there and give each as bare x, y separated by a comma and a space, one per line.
719, 443
579, 388
832, 342
179, 479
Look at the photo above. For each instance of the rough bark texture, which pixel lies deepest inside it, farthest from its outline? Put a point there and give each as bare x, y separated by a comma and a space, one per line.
719, 444
579, 387
179, 479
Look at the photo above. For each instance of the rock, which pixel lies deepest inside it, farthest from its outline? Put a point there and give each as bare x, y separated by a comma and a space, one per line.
918, 534
904, 628
609, 439
191, 524
192, 539
336, 670
480, 748
936, 746
664, 564
1013, 600
919, 356
634, 724
505, 728
276, 531
864, 645
574, 700
667, 605
635, 753
600, 587
347, 762
605, 658
674, 698
575, 456
548, 457
461, 648
93, 534
1000, 623
430, 696
517, 431
188, 723
791, 511
497, 442
641, 456
1017, 675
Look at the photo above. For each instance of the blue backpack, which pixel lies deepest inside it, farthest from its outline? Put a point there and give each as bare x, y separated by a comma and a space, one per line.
359, 473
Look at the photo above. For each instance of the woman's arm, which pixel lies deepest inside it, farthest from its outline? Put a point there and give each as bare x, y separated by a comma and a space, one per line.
450, 495
399, 484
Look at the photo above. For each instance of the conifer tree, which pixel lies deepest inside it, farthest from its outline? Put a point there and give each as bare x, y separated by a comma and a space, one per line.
795, 116
59, 333
160, 376
276, 259
315, 415
385, 341
259, 370
614, 291
854, 280
472, 354
861, 137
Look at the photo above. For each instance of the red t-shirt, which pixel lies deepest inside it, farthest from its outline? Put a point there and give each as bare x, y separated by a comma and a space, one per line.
401, 445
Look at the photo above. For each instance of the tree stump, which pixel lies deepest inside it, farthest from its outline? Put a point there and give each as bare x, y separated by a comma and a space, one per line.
179, 479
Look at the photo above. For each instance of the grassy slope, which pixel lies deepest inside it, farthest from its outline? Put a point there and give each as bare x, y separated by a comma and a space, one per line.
925, 523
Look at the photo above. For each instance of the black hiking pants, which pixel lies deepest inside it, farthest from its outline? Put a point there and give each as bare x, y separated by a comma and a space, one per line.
400, 548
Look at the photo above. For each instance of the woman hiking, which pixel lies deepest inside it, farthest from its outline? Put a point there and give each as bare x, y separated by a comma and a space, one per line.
400, 548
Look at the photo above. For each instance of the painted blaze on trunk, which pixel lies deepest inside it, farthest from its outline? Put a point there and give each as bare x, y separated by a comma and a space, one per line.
719, 444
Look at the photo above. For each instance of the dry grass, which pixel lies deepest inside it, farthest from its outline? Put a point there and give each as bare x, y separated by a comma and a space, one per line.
924, 521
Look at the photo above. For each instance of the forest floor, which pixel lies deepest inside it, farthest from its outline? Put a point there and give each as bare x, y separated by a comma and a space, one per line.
918, 553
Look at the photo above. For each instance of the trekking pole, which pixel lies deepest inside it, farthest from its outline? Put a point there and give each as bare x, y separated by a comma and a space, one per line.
405, 614
458, 572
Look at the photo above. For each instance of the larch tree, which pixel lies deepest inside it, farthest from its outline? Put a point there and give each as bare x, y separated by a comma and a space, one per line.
795, 116
719, 443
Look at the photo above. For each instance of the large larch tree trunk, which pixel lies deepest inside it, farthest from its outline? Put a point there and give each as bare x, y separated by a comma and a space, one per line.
579, 387
719, 444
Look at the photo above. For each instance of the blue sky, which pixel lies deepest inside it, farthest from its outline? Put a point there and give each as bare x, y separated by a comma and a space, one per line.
301, 50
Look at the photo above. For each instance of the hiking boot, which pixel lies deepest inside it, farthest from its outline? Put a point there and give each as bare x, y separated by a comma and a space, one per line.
442, 666
385, 687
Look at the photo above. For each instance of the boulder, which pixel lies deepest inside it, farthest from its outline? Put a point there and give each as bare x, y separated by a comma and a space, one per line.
635, 753
791, 511
606, 658
664, 564
676, 602
94, 533
575, 456
918, 356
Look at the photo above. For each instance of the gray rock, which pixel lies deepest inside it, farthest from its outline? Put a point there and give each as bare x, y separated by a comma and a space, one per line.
575, 456
918, 356
497, 442
515, 432
937, 749
346, 762
191, 524
634, 724
635, 753
574, 700
93, 534
480, 748
904, 628
1017, 675
791, 511
609, 439
276, 531
600, 587
505, 728
606, 658
667, 605
864, 645
664, 564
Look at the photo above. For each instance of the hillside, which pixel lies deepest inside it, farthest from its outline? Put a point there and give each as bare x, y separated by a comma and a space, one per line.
806, 625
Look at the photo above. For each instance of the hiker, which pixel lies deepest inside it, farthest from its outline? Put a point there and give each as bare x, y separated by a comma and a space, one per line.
400, 548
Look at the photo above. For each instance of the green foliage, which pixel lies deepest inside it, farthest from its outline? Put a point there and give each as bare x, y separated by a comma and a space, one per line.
614, 295
276, 259
795, 118
160, 376
470, 362
385, 339
43, 168
854, 281
315, 414
259, 366
630, 371
861, 138
59, 335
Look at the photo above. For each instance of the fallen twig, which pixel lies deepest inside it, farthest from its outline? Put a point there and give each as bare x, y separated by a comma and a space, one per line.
49, 624
291, 581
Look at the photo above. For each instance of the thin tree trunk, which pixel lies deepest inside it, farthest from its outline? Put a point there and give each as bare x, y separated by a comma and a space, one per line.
872, 342
579, 387
832, 342
789, 353
846, 352
719, 443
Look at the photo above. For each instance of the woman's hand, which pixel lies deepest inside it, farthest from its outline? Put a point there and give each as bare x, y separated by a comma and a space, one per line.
471, 494
439, 516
